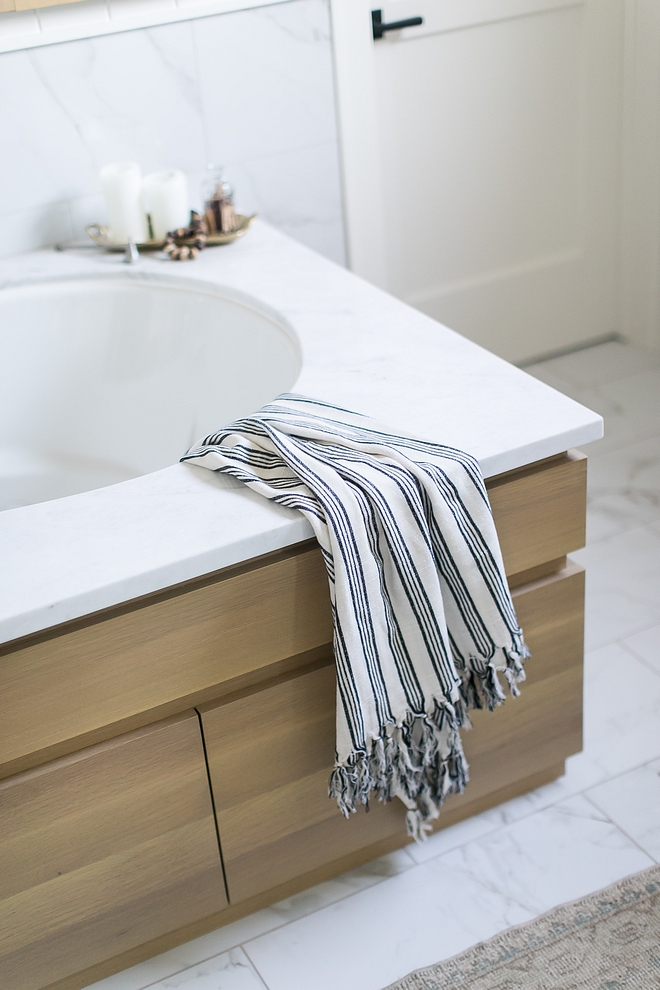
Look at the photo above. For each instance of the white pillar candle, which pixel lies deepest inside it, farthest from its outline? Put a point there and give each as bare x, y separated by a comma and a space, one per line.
122, 189
166, 201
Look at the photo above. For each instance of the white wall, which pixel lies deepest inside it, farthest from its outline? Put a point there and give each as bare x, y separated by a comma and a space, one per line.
252, 90
640, 214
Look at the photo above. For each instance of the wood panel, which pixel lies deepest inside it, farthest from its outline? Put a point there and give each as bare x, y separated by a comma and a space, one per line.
172, 652
540, 511
270, 782
149, 659
104, 850
544, 726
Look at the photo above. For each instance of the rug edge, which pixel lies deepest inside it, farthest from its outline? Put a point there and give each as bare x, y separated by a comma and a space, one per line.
634, 883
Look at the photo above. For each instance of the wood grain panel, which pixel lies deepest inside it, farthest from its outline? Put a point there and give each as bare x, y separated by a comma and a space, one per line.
169, 652
148, 659
540, 511
104, 850
270, 782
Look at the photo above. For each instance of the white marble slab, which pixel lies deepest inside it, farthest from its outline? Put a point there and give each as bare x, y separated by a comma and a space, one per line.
361, 349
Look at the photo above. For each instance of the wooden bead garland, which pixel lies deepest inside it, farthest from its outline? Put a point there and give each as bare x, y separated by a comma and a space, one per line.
196, 232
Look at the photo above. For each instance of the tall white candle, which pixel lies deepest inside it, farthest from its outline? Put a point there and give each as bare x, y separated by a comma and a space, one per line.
122, 189
166, 201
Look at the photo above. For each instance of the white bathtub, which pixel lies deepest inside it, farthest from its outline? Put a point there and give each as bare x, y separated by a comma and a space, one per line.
109, 372
106, 378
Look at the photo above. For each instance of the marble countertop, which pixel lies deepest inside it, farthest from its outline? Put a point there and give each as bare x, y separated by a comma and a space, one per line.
361, 349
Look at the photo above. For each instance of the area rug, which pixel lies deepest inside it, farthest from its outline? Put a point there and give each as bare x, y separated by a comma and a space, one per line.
609, 940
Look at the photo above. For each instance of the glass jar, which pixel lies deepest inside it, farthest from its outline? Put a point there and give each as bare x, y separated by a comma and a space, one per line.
218, 203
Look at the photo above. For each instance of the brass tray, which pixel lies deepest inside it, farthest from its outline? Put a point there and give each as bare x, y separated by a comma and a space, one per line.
100, 236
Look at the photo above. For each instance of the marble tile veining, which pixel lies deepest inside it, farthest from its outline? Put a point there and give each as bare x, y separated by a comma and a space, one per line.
272, 67
646, 646
632, 801
623, 581
252, 90
230, 971
444, 905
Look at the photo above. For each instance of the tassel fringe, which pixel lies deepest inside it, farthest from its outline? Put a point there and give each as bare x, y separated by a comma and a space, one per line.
422, 761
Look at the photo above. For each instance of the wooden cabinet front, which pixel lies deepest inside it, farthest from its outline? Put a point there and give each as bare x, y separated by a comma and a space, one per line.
270, 755
105, 850
270, 752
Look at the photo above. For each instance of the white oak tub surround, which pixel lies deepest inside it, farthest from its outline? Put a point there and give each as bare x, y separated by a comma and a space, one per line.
160, 635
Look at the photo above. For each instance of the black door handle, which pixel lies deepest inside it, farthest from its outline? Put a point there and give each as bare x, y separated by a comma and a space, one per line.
379, 28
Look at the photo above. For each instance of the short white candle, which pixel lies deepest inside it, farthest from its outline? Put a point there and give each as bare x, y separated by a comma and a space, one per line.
166, 201
122, 189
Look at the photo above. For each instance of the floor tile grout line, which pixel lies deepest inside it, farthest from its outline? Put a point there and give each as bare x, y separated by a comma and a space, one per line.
629, 650
621, 829
253, 964
276, 927
489, 833
543, 807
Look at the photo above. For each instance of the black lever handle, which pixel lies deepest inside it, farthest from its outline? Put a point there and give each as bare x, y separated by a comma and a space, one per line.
379, 28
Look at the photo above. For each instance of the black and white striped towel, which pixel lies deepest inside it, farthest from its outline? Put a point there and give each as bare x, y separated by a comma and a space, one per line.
423, 618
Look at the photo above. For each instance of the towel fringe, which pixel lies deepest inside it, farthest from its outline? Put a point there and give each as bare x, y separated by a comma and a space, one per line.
421, 761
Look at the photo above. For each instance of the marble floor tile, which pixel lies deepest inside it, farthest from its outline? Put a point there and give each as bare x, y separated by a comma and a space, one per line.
444, 905
184, 956
646, 646
617, 735
230, 971
544, 372
623, 585
623, 488
630, 407
632, 802
622, 711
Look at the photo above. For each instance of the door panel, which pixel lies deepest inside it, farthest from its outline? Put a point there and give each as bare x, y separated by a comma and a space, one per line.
494, 155
105, 850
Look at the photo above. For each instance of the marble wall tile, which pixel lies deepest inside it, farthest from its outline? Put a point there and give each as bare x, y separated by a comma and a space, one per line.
252, 90
22, 230
266, 80
91, 13
443, 906
632, 802
74, 107
121, 9
20, 23
298, 192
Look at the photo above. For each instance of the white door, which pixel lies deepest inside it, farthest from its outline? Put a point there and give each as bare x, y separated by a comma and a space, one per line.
481, 157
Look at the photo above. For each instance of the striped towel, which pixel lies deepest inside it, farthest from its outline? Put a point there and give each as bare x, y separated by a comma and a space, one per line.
423, 618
